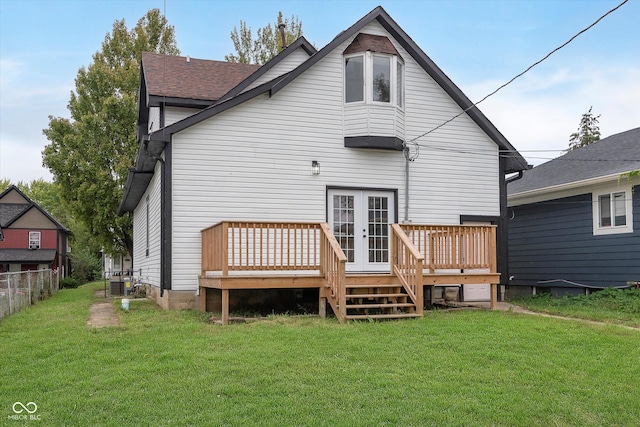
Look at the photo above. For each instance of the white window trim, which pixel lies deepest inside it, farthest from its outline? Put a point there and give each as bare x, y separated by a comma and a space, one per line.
368, 80
628, 197
33, 237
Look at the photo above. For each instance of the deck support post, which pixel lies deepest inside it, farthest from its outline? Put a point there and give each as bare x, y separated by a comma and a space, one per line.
494, 296
432, 291
322, 305
225, 306
203, 299
420, 298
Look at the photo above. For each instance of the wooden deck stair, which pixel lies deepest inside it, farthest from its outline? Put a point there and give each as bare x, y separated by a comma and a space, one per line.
378, 301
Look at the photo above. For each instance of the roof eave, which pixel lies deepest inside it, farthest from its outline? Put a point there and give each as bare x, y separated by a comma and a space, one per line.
137, 183
300, 42
538, 194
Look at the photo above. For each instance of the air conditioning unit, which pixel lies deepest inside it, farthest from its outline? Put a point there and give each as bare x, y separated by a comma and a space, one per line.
34, 246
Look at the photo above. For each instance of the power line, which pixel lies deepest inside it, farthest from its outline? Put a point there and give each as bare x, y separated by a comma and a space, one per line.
519, 75
512, 154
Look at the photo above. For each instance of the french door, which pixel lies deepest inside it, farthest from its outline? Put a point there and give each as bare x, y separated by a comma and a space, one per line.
360, 222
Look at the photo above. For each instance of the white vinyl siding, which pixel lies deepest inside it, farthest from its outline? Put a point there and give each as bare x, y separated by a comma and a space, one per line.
147, 266
154, 119
253, 162
175, 114
284, 66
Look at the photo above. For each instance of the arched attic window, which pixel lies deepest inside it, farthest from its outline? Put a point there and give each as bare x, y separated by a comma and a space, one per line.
374, 71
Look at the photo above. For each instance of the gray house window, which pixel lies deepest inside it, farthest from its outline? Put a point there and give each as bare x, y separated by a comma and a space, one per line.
613, 210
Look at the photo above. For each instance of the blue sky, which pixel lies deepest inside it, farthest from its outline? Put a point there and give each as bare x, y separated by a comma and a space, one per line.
478, 44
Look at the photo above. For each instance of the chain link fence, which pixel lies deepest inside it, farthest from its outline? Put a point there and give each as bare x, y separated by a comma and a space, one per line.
24, 288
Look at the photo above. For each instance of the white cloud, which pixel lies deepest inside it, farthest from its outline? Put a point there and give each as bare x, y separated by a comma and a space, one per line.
19, 162
9, 70
540, 111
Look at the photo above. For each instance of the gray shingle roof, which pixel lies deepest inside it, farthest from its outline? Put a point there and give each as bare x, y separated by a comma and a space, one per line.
8, 211
174, 76
615, 154
38, 256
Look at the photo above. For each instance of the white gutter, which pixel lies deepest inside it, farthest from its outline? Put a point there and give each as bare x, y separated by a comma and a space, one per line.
546, 193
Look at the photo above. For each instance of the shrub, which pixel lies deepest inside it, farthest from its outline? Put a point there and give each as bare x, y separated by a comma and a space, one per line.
69, 283
85, 266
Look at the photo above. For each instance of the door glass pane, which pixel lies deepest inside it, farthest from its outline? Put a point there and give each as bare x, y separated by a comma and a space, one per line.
619, 209
354, 79
604, 203
378, 229
343, 224
381, 78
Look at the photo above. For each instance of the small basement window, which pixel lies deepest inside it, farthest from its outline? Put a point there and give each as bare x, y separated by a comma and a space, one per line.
612, 212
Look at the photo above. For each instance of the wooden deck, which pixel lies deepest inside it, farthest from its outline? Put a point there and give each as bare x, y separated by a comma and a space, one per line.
297, 255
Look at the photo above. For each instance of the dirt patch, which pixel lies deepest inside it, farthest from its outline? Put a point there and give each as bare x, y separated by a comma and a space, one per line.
102, 314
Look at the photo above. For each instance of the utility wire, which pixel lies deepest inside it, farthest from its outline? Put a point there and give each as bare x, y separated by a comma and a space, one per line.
519, 75
512, 154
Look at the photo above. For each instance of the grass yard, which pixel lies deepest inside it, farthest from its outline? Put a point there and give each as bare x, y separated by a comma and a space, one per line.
610, 305
466, 368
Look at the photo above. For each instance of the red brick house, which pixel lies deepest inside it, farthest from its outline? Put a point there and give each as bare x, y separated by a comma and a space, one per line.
30, 238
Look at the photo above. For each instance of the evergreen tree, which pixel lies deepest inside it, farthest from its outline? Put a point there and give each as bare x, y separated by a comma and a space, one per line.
588, 131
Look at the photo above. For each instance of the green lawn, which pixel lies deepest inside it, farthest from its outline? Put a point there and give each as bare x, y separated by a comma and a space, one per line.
610, 305
450, 368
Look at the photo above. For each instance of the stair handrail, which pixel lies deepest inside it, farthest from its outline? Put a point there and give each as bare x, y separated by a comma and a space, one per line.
333, 266
406, 264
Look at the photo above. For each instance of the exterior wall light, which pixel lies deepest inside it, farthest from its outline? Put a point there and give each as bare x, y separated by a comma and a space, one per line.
315, 167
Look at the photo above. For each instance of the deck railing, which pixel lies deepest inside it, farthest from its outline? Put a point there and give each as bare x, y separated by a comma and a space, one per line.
260, 246
333, 263
277, 246
407, 265
454, 247
416, 250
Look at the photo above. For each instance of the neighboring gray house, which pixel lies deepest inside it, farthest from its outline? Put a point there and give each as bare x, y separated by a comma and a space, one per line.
574, 222
312, 137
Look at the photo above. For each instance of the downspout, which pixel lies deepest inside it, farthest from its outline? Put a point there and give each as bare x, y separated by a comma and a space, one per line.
407, 160
406, 186
162, 202
504, 232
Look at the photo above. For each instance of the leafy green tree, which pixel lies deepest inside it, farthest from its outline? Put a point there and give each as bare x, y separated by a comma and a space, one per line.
588, 131
267, 43
89, 153
4, 184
